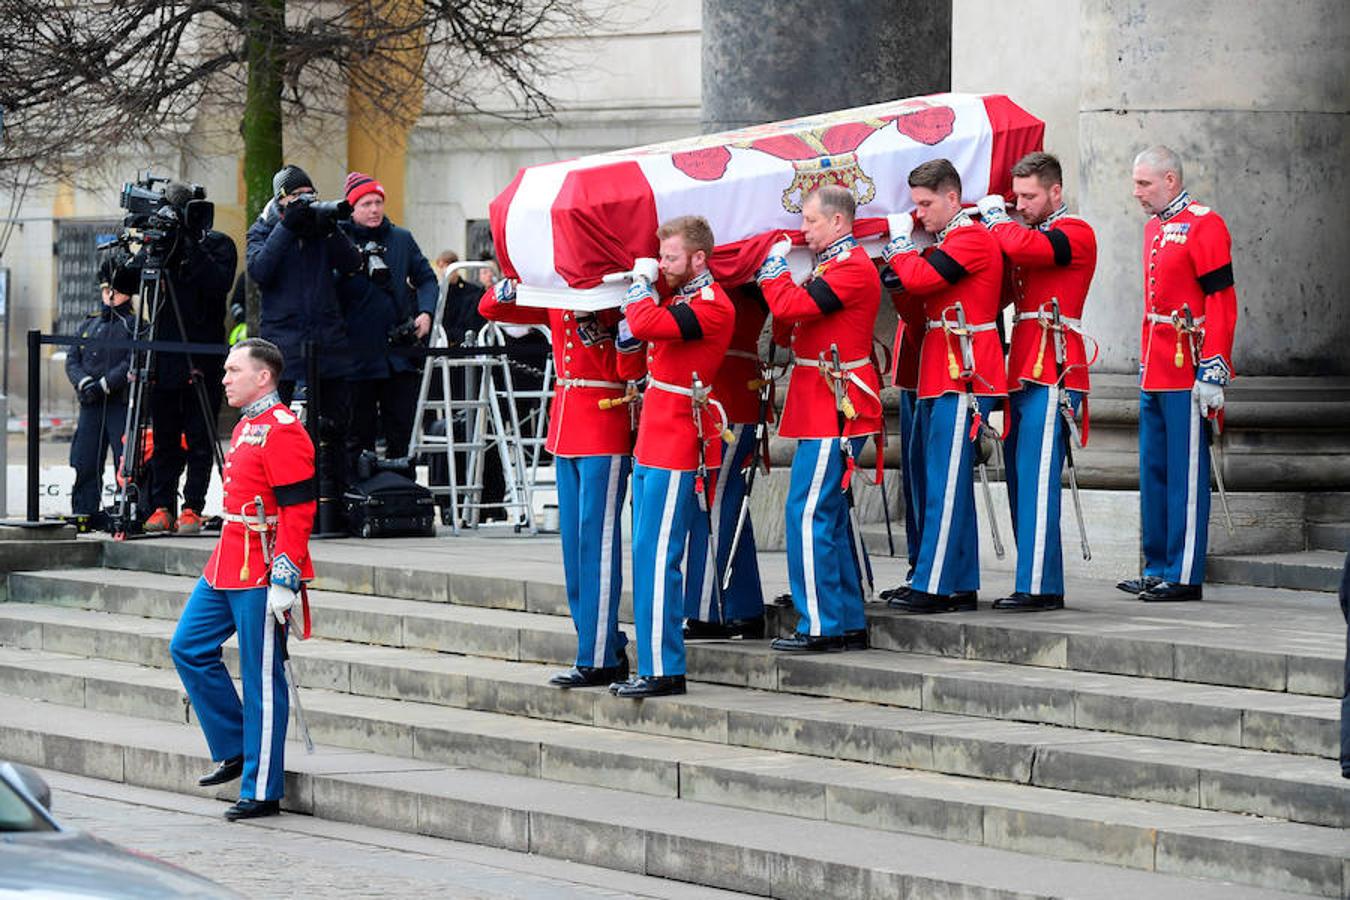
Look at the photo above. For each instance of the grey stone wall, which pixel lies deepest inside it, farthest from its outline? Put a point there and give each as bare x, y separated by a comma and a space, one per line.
765, 60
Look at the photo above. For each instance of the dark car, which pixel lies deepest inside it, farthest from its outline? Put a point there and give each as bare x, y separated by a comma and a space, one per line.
39, 855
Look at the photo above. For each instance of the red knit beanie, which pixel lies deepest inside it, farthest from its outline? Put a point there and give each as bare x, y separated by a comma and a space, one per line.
359, 184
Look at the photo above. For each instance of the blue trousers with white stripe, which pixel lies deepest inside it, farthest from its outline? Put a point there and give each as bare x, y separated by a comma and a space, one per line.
911, 469
256, 727
949, 549
590, 503
664, 510
744, 596
1035, 450
825, 558
1173, 486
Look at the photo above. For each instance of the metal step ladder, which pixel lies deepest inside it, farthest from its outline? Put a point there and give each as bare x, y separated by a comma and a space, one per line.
482, 421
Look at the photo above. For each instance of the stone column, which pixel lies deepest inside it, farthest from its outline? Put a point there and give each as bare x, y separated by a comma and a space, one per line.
1254, 97
765, 60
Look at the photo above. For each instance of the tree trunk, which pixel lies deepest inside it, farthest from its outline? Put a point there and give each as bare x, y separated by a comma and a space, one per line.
261, 126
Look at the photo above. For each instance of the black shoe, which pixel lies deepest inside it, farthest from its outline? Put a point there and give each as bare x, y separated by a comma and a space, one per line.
782, 600
252, 809
228, 770
747, 629
806, 643
920, 602
1021, 602
899, 592
591, 676
649, 686
1138, 585
856, 639
1167, 592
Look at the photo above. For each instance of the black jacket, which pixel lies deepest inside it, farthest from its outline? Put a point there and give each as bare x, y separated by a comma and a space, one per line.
106, 364
373, 309
201, 279
461, 310
299, 299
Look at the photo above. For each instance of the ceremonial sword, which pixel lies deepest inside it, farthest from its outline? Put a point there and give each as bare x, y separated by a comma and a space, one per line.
1211, 429
742, 514
844, 411
285, 641
967, 374
1071, 426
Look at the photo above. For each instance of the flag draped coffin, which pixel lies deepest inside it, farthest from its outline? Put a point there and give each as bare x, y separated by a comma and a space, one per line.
560, 228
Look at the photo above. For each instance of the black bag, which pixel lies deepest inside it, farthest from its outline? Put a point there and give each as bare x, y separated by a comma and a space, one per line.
389, 505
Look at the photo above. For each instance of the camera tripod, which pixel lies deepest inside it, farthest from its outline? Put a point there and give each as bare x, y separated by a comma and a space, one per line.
156, 291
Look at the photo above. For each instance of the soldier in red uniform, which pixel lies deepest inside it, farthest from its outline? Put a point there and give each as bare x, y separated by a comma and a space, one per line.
1190, 310
590, 434
957, 283
738, 611
1053, 257
687, 328
251, 582
827, 324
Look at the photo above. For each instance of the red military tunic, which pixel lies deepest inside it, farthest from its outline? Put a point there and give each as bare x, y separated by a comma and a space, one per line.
1187, 263
965, 265
270, 457
909, 333
686, 334
588, 369
1054, 260
734, 385
837, 306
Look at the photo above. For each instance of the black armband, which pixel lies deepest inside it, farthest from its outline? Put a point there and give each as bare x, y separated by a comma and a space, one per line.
948, 268
295, 494
687, 320
1217, 280
827, 301
1059, 243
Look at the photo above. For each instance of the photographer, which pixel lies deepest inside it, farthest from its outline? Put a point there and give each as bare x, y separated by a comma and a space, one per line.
199, 272
99, 376
388, 303
293, 250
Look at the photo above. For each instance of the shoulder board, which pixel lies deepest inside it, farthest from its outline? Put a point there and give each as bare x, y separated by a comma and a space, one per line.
1196, 209
283, 417
845, 255
707, 292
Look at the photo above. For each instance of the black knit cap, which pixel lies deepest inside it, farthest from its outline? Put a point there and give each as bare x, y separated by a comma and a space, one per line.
289, 180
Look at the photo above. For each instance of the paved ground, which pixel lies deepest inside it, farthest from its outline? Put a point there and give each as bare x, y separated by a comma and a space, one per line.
295, 855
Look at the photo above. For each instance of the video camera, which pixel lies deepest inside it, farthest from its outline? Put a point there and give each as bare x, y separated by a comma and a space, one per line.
154, 222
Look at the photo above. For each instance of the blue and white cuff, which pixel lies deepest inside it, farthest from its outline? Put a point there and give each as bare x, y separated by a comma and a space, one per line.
285, 573
1214, 370
771, 269
897, 245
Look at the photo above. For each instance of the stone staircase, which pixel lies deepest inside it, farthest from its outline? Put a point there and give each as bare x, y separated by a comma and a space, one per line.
1107, 751
1316, 567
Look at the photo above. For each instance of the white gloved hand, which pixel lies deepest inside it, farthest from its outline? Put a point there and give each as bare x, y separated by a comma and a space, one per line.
1208, 397
280, 599
504, 291
993, 210
646, 268
900, 224
781, 247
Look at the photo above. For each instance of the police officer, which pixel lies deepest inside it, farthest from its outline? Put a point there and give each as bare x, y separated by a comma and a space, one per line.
1190, 310
590, 434
99, 376
1053, 256
831, 316
679, 442
389, 307
250, 584
742, 387
957, 282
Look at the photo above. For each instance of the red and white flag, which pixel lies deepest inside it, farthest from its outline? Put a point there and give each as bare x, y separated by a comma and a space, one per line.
559, 228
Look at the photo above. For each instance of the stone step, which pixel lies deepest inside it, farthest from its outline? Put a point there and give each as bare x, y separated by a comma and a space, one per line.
18, 555
1200, 713
1329, 536
1011, 817
1091, 762
752, 851
1283, 644
1310, 570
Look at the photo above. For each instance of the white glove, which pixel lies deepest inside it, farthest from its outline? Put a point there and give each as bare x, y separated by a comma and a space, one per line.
781, 248
993, 210
1208, 397
280, 599
900, 224
646, 268
504, 291
638, 290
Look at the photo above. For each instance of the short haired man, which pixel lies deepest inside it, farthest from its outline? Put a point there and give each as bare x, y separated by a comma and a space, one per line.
1053, 255
461, 299
830, 317
292, 257
961, 377
1190, 310
687, 329
379, 309
250, 584
99, 376
590, 434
